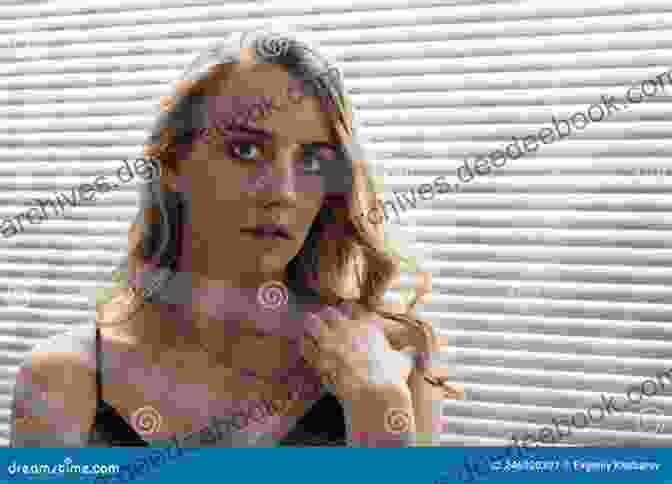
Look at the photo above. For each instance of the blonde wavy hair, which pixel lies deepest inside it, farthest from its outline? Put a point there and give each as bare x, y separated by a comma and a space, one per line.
357, 266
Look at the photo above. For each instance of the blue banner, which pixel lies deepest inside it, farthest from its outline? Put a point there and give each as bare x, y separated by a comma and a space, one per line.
439, 465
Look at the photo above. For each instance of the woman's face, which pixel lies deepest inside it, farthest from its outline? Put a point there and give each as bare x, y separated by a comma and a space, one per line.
239, 180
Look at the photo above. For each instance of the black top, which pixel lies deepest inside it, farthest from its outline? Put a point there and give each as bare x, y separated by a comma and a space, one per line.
323, 424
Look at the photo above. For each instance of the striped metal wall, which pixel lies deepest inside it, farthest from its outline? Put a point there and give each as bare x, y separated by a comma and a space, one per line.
552, 275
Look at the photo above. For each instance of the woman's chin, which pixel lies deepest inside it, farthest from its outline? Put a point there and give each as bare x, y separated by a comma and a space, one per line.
272, 264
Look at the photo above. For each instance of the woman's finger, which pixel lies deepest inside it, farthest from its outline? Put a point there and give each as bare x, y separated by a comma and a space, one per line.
315, 327
309, 349
331, 317
316, 333
314, 356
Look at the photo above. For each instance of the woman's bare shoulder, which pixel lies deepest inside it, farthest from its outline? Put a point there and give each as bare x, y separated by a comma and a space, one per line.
75, 347
54, 395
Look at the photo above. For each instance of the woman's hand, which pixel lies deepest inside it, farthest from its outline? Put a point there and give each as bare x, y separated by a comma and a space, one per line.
369, 377
355, 355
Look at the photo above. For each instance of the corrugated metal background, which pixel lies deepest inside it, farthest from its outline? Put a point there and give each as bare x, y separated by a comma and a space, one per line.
552, 277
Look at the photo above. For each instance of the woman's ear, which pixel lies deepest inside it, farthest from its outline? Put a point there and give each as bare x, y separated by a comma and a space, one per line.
170, 179
168, 104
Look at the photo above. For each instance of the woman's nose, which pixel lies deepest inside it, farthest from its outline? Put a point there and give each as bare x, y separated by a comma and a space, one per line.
277, 177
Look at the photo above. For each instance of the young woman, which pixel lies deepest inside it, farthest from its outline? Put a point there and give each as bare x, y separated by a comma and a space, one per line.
252, 312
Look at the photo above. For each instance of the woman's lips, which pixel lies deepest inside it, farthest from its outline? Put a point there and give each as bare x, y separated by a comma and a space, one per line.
268, 232
265, 235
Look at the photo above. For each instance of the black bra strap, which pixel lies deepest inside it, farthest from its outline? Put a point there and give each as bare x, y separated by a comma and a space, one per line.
99, 387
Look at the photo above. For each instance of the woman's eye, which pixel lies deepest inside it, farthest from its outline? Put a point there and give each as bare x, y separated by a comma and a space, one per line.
243, 154
316, 156
313, 158
312, 164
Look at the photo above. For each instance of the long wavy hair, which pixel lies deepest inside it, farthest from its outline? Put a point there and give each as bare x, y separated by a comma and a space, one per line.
345, 256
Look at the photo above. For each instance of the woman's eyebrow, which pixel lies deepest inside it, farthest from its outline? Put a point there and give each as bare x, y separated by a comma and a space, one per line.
268, 135
262, 133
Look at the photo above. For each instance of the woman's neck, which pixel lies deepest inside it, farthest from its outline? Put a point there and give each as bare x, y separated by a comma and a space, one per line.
235, 345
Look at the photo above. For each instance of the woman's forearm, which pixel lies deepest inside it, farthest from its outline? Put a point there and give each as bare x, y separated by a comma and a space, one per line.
428, 405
